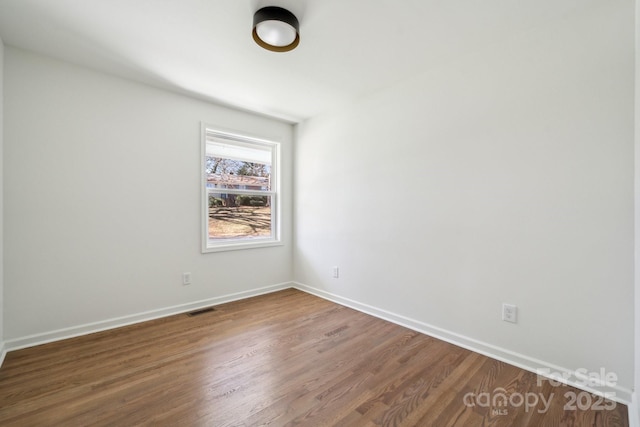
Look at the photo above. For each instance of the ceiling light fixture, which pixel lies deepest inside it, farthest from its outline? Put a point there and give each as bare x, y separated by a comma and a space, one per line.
276, 29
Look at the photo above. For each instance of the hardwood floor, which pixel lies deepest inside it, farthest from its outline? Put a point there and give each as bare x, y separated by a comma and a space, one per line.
282, 359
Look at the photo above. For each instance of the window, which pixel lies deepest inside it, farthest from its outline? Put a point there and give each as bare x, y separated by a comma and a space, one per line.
240, 191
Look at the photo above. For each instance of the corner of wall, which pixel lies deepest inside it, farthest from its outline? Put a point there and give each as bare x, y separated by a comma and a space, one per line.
2, 346
634, 408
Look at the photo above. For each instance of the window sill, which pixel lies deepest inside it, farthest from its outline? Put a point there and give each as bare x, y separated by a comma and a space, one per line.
239, 245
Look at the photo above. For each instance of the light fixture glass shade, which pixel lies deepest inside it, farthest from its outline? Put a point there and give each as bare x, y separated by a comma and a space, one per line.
276, 33
276, 29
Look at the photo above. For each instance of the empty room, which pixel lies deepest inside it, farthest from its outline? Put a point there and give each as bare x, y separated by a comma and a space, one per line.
319, 213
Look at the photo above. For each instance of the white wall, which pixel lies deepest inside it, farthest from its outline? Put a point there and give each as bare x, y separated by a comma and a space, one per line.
102, 192
506, 176
635, 415
1, 203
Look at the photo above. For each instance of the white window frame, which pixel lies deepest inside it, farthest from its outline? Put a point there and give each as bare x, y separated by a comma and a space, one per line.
210, 245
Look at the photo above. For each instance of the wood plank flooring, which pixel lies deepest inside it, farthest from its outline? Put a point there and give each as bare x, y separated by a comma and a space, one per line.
283, 359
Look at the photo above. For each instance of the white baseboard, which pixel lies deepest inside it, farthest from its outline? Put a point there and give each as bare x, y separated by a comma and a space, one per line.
89, 328
634, 411
3, 352
620, 394
567, 376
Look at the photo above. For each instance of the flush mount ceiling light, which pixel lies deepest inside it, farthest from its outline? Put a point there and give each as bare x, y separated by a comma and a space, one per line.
276, 29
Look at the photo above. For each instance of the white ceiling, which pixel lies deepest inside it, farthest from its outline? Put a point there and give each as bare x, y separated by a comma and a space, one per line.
348, 48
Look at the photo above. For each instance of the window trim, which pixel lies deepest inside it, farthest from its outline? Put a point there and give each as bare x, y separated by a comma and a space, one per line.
275, 193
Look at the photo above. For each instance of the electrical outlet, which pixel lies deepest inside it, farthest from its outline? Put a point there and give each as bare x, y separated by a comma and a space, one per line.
336, 272
509, 313
186, 278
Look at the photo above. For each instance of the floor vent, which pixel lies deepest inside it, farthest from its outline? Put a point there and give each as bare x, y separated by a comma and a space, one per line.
201, 311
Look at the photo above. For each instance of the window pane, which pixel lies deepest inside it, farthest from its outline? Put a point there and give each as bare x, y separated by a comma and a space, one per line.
238, 216
240, 186
237, 174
